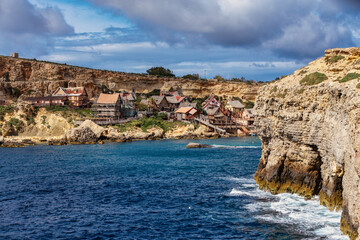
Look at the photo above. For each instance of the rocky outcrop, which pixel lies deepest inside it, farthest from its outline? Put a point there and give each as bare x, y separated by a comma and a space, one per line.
87, 132
36, 78
197, 145
309, 125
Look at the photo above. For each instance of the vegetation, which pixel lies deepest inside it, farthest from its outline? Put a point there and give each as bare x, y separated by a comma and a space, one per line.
147, 123
160, 71
4, 110
16, 123
350, 76
313, 78
155, 92
249, 104
358, 86
334, 59
302, 72
300, 91
67, 111
192, 76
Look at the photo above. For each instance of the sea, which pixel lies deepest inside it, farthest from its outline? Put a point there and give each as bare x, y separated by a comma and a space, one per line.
150, 190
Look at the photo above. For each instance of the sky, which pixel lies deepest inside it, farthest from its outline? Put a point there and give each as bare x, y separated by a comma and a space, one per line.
256, 39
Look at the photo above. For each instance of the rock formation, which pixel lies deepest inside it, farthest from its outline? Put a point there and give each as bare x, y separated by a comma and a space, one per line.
37, 78
309, 125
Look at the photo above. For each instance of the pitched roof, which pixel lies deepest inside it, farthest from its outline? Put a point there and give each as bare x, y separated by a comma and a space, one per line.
127, 96
172, 99
212, 111
187, 104
75, 91
108, 98
235, 104
158, 99
184, 110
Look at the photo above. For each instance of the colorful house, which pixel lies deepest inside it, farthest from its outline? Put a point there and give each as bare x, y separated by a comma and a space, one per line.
46, 101
211, 103
76, 96
186, 113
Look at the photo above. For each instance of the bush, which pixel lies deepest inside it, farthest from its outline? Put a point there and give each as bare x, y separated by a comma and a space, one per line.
155, 92
300, 91
4, 110
350, 76
192, 76
160, 71
358, 86
334, 59
16, 123
313, 78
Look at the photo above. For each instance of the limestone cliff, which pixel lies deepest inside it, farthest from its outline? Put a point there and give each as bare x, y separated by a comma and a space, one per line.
309, 125
38, 77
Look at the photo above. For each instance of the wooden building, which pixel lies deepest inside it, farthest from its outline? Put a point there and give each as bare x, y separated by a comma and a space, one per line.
76, 96
186, 113
161, 103
235, 106
211, 103
46, 101
108, 106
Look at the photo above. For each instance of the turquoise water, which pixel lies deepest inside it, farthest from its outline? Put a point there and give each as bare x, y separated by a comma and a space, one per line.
150, 190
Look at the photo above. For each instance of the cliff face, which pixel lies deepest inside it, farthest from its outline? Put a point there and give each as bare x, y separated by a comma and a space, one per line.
37, 78
310, 133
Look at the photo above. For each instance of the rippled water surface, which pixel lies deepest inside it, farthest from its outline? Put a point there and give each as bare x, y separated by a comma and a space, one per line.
150, 190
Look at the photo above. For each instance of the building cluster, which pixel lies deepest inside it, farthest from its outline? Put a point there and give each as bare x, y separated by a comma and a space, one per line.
229, 114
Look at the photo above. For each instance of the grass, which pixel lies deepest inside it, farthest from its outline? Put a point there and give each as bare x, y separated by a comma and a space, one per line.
334, 59
147, 123
66, 111
350, 76
313, 78
301, 91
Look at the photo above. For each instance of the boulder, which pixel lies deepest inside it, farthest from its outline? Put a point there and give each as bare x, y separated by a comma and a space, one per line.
198, 145
98, 130
81, 135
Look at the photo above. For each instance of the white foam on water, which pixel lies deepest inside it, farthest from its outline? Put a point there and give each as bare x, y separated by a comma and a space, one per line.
242, 180
233, 147
306, 216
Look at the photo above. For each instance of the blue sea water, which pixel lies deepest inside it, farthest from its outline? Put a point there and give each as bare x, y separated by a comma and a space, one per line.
150, 190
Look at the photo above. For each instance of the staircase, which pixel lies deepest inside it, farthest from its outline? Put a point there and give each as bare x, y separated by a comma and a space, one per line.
210, 125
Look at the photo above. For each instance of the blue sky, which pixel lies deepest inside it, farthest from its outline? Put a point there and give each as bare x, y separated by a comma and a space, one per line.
256, 39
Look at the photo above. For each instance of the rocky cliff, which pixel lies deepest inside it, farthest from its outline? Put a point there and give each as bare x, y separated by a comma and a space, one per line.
37, 78
309, 125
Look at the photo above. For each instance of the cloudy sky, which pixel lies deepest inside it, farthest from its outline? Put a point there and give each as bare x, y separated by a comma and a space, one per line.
256, 39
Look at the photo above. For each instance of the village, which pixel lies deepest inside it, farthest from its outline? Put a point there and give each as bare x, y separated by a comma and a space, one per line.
108, 108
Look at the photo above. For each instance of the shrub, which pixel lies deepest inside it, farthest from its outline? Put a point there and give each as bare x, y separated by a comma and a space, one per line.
300, 91
334, 59
160, 71
350, 76
313, 78
16, 123
358, 86
192, 76
4, 110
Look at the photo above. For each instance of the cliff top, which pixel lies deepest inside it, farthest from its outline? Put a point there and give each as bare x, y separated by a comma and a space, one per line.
337, 66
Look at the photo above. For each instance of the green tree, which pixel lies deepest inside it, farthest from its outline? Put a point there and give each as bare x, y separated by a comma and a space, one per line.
160, 71
194, 76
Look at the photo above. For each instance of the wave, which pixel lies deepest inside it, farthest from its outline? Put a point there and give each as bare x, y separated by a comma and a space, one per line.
234, 147
289, 210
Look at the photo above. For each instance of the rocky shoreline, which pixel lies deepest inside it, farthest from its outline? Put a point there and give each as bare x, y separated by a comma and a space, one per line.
308, 123
90, 133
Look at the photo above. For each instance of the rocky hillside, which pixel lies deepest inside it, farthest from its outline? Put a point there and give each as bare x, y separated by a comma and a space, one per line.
31, 77
309, 124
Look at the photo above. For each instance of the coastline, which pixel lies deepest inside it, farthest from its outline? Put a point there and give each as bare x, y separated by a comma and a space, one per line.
90, 133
